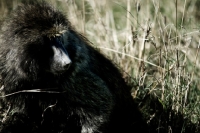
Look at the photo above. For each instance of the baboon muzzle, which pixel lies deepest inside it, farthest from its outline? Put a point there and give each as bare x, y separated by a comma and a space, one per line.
60, 60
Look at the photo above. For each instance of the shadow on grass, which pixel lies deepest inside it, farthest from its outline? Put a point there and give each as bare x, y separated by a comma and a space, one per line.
163, 119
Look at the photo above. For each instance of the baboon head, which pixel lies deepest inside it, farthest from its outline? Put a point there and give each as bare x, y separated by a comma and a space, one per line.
36, 40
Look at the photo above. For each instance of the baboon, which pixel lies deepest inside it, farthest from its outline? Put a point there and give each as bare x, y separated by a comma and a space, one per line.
56, 82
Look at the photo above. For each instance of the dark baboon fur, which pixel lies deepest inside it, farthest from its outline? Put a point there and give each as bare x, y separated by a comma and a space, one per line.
55, 82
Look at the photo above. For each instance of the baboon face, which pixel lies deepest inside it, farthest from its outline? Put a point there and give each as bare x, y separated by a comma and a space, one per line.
39, 39
49, 53
58, 57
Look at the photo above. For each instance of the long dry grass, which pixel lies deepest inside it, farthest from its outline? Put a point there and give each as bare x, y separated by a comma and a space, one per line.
156, 44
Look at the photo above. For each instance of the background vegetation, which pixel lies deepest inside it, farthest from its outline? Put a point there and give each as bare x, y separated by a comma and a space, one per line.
156, 43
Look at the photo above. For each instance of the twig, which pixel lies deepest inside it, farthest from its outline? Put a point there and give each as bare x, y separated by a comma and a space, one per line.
131, 57
30, 91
